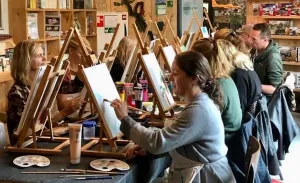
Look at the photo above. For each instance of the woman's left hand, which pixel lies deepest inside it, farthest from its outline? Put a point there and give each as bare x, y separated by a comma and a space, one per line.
120, 108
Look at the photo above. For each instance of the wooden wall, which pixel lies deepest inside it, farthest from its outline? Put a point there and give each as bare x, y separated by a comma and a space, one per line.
150, 12
6, 82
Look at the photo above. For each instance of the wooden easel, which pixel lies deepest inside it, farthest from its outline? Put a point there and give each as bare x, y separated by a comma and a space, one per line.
208, 19
107, 55
43, 101
110, 59
156, 102
112, 141
104, 57
164, 47
31, 117
187, 32
176, 41
135, 66
130, 66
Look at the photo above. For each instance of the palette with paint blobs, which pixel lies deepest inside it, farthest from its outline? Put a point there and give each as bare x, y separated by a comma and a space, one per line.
109, 164
31, 160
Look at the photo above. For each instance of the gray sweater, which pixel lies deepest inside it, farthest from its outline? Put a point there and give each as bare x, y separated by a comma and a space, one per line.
197, 133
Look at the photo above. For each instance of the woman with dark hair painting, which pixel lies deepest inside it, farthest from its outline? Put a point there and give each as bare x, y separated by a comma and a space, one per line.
195, 140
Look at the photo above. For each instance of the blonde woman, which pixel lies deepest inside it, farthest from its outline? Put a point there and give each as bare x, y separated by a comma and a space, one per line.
125, 49
244, 76
27, 58
221, 69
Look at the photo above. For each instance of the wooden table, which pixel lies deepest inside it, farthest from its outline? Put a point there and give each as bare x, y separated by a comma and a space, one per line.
6, 81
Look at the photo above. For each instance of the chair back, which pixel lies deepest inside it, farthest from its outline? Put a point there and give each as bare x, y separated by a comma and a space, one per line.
252, 156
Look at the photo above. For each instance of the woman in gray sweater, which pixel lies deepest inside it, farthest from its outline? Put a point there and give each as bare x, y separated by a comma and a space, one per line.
195, 140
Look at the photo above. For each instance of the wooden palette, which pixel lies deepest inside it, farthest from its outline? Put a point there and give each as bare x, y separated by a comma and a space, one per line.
109, 164
31, 160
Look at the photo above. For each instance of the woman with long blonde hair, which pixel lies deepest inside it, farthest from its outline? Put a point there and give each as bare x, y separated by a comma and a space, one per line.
27, 58
221, 69
244, 76
125, 49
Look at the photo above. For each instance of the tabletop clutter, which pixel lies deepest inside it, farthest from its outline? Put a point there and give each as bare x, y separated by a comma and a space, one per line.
138, 102
103, 168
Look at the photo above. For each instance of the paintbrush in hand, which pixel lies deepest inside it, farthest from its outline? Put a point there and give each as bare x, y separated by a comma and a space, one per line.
129, 107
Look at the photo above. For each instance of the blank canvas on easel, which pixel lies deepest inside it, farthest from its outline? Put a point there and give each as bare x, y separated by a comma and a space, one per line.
157, 79
170, 54
130, 65
101, 86
37, 81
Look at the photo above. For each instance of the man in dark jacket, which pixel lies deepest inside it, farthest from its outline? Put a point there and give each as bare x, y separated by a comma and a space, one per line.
266, 58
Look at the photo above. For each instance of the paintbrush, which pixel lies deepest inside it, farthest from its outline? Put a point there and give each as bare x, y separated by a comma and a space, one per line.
129, 107
91, 171
52, 172
102, 172
72, 170
84, 175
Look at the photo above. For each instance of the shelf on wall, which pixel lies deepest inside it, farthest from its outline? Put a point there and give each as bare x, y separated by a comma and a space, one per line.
51, 38
293, 63
284, 37
281, 17
34, 9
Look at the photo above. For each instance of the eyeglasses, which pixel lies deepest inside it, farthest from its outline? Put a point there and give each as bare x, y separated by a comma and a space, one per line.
232, 33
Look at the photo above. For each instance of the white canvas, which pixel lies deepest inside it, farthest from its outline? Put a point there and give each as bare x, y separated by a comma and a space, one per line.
190, 40
102, 87
205, 33
129, 64
170, 54
158, 82
37, 81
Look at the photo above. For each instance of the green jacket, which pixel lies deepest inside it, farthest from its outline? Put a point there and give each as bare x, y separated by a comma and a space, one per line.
268, 65
232, 112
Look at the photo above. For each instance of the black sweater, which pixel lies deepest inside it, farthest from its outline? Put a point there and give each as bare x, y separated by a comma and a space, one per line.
248, 86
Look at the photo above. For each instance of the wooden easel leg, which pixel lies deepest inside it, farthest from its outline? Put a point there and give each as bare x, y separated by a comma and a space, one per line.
101, 138
81, 112
153, 110
50, 123
33, 135
92, 108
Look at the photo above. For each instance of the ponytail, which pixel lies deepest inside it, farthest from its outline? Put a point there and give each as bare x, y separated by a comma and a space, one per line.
213, 90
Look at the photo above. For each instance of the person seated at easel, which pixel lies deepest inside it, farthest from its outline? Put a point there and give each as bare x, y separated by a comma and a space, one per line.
125, 49
196, 139
68, 98
221, 69
27, 58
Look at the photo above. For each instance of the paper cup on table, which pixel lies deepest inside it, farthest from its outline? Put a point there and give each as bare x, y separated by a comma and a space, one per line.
75, 131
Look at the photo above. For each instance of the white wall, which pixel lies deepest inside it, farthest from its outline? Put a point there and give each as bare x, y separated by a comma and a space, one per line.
4, 17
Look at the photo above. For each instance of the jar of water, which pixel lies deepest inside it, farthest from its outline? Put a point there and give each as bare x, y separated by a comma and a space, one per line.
89, 129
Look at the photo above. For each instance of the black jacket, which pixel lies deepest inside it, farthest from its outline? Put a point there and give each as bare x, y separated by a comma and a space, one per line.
284, 127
